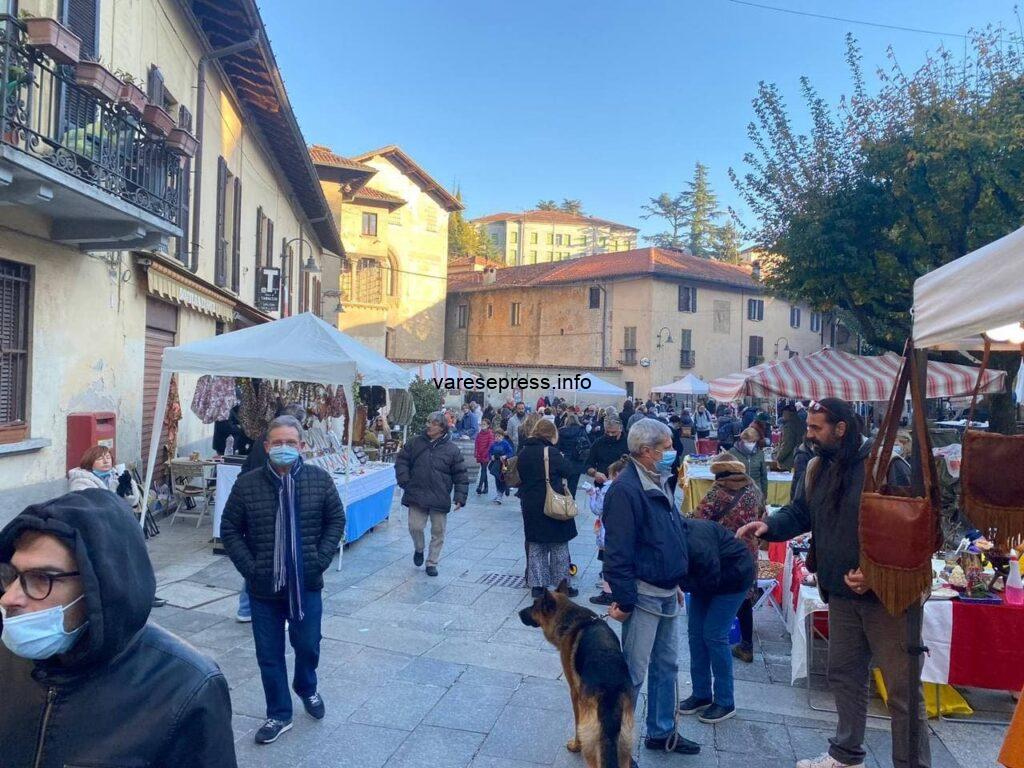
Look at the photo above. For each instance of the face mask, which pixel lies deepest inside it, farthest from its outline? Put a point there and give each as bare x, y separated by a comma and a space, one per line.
284, 455
104, 475
40, 634
749, 446
897, 450
666, 461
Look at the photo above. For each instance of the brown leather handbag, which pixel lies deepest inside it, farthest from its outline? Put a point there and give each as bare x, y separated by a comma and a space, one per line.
899, 531
992, 476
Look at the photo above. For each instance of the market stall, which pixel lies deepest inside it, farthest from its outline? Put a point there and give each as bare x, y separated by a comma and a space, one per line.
725, 389
598, 387
697, 481
302, 349
688, 385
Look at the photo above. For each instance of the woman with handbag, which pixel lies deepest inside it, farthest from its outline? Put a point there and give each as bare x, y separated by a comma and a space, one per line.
543, 492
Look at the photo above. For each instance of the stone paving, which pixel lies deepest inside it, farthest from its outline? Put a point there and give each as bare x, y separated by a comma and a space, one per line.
421, 672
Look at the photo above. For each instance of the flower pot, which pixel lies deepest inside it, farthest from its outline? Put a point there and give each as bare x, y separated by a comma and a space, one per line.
132, 98
181, 142
93, 77
157, 119
53, 39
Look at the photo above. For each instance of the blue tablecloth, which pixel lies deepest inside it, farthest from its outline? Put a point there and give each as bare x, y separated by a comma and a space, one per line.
362, 515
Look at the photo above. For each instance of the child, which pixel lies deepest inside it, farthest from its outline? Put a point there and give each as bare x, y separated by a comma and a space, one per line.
596, 494
500, 450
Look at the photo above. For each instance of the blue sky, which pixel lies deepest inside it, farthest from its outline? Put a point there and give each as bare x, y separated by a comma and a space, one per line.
608, 101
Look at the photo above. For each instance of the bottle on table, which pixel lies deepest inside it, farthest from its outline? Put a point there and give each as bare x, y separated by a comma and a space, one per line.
1014, 591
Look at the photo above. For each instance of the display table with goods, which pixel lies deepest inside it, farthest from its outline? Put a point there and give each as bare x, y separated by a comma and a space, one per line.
696, 479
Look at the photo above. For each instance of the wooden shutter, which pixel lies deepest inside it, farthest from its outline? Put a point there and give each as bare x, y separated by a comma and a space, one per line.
81, 17
220, 272
181, 250
270, 243
236, 238
155, 86
258, 256
15, 291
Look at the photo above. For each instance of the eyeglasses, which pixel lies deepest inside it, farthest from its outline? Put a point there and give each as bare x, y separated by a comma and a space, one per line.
35, 583
816, 407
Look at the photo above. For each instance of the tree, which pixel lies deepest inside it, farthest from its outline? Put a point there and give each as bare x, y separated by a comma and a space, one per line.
547, 205
676, 215
426, 398
727, 243
891, 185
466, 239
702, 206
575, 207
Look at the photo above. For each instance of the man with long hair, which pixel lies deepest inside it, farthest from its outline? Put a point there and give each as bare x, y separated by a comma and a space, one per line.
827, 502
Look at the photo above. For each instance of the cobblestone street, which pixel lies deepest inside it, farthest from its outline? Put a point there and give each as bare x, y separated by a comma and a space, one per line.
440, 673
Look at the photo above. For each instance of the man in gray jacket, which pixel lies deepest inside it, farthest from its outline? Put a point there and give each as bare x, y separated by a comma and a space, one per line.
427, 469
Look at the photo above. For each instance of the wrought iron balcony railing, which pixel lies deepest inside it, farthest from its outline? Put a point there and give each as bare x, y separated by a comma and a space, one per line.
687, 358
48, 116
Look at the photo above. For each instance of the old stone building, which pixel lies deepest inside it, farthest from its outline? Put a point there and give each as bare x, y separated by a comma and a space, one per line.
654, 314
537, 237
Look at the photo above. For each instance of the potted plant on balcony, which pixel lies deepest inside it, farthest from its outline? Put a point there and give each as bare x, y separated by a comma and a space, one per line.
99, 81
181, 142
157, 120
53, 39
132, 97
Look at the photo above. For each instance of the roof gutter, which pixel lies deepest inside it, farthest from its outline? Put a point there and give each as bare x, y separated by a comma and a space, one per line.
197, 182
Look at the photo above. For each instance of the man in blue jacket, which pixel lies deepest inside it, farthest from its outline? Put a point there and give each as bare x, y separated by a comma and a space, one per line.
645, 558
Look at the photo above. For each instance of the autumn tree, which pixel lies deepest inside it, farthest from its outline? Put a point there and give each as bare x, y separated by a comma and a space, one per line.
674, 212
466, 239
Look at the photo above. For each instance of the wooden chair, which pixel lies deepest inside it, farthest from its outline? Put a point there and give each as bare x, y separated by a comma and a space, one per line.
187, 491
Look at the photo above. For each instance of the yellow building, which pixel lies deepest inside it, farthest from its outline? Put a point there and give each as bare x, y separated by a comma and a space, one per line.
537, 237
113, 247
393, 219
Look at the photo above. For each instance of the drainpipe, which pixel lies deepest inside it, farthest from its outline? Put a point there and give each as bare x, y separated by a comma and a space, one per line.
197, 181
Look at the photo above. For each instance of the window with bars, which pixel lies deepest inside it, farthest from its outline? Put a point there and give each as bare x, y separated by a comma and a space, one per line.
794, 317
15, 297
369, 287
687, 298
755, 309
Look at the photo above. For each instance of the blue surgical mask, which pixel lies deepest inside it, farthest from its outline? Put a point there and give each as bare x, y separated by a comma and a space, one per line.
103, 475
284, 455
666, 461
40, 634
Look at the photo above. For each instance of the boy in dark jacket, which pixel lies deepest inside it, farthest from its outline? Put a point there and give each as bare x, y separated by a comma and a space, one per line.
427, 469
98, 686
281, 527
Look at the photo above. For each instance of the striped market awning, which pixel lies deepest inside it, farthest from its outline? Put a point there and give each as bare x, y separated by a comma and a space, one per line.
830, 373
732, 387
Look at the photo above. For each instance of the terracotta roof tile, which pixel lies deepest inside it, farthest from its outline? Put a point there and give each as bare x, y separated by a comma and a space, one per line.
368, 193
621, 264
552, 217
325, 156
408, 166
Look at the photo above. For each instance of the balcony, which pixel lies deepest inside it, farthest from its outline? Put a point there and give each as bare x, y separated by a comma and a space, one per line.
86, 165
628, 357
753, 360
687, 358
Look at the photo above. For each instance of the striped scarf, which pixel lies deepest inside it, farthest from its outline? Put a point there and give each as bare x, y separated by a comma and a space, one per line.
288, 573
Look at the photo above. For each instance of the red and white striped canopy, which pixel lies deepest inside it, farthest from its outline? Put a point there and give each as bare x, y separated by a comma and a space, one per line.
830, 373
732, 387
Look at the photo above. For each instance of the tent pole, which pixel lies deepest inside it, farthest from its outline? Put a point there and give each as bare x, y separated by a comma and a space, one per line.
163, 394
348, 465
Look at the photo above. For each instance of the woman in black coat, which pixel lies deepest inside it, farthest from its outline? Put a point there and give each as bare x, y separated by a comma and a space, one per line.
573, 440
547, 539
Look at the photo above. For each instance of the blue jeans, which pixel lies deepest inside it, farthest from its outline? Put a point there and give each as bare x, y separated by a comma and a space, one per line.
650, 644
710, 619
244, 607
268, 619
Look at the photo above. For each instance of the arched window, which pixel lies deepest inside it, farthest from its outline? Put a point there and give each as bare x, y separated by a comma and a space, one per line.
389, 269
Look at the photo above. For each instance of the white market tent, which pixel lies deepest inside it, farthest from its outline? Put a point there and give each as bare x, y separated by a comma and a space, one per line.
298, 348
688, 385
598, 387
957, 303
439, 369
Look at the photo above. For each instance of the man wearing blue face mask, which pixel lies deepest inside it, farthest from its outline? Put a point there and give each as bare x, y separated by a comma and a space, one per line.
86, 681
281, 527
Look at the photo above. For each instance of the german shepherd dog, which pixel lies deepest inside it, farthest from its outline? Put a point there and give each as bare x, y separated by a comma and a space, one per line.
599, 682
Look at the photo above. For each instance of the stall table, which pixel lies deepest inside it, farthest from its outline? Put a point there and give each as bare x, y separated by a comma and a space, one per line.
699, 481
369, 496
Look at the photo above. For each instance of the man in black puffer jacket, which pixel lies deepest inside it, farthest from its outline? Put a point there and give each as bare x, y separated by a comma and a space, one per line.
281, 527
427, 469
85, 680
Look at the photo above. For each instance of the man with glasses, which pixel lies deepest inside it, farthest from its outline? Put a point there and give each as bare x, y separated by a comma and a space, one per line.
827, 502
85, 680
281, 527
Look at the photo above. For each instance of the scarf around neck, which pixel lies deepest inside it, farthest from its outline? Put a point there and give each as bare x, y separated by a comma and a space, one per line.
288, 572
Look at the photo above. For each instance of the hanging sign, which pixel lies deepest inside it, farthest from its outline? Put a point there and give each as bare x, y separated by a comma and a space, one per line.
268, 289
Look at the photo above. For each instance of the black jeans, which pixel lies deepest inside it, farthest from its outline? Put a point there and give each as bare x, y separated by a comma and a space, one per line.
746, 616
268, 618
481, 486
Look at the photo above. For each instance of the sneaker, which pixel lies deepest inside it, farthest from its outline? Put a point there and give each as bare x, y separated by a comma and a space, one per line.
682, 746
716, 713
417, 559
431, 570
604, 598
825, 761
270, 730
743, 654
241, 618
314, 706
693, 705
159, 602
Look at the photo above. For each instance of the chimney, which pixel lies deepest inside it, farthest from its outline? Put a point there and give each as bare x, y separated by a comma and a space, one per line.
756, 269
490, 275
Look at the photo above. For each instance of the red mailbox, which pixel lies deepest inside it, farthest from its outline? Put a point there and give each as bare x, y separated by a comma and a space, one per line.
88, 429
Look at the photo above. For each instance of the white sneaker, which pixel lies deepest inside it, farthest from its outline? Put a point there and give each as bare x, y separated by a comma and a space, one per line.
825, 761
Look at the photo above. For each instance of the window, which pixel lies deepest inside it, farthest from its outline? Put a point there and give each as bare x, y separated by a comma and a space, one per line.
551, 255
370, 224
490, 311
15, 296
628, 385
533, 238
395, 218
595, 297
628, 345
755, 350
794, 317
558, 239
532, 257
549, 239
816, 322
228, 228
687, 298
513, 318
513, 236
568, 239
390, 276
512, 251
686, 356
431, 220
462, 315
755, 309
369, 288
723, 317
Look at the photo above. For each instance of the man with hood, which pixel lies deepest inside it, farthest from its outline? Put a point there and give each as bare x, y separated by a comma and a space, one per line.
281, 527
428, 468
85, 679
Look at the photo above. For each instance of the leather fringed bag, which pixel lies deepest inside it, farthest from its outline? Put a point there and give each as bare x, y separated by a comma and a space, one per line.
557, 506
992, 476
899, 532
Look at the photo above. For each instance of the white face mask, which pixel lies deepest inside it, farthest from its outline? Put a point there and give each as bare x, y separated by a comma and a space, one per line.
897, 450
749, 446
40, 634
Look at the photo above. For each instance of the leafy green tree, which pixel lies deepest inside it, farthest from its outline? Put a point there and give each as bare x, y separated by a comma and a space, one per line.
465, 239
676, 215
702, 207
427, 399
890, 184
727, 243
575, 207
547, 205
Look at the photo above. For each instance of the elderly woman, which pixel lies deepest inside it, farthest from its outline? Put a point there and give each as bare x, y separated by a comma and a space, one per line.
96, 470
748, 451
547, 539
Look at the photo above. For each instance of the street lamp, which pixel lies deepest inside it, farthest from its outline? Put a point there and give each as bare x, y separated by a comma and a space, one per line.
332, 295
786, 349
667, 340
310, 267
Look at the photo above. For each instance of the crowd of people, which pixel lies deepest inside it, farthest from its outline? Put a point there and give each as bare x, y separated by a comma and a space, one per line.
77, 585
